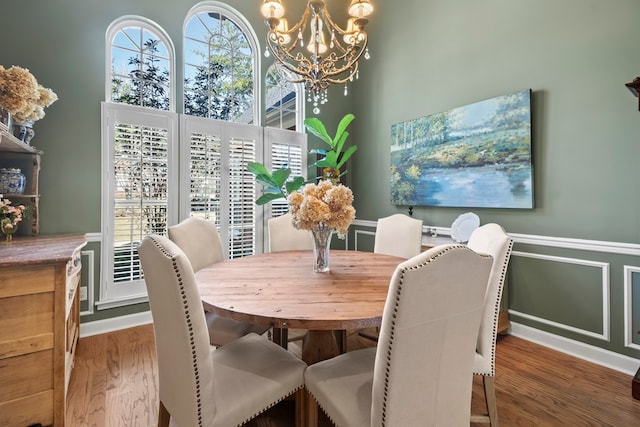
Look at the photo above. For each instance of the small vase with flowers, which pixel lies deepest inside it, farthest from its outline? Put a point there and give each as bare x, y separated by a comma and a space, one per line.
10, 217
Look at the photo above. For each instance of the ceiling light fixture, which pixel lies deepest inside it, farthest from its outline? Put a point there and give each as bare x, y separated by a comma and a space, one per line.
318, 63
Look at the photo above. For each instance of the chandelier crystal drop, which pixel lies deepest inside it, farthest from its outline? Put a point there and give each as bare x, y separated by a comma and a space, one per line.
317, 63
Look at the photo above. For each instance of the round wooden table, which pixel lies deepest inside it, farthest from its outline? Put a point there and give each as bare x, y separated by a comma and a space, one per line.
281, 290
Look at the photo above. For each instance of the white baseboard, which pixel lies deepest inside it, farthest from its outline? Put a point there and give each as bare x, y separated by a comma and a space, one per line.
115, 324
618, 362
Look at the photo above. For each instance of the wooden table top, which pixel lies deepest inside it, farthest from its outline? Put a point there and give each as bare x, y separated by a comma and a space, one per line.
280, 289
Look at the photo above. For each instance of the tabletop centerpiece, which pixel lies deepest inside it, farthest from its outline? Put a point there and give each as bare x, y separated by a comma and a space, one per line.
10, 217
321, 208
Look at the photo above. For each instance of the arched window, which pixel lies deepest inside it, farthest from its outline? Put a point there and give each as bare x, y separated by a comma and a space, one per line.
284, 101
220, 63
139, 140
141, 64
160, 166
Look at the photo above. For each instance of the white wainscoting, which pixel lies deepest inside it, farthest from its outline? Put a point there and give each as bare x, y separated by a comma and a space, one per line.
613, 360
579, 349
604, 267
629, 332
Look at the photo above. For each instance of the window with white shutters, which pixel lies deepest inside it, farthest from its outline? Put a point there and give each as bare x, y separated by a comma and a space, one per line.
139, 190
216, 154
160, 167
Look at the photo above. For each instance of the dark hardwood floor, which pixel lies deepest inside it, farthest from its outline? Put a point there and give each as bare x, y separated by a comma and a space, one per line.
115, 383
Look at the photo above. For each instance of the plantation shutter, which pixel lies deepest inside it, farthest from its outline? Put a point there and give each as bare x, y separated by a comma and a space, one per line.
216, 154
146, 188
284, 148
140, 181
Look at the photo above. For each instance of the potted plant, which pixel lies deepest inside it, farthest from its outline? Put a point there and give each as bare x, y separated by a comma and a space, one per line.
277, 183
335, 157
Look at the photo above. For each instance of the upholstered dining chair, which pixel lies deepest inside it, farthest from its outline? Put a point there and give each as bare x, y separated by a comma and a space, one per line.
283, 236
493, 240
398, 235
200, 241
420, 373
198, 384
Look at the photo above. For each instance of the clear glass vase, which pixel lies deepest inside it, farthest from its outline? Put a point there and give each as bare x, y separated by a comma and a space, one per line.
321, 242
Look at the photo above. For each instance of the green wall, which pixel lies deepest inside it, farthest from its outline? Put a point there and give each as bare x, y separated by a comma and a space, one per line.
427, 56
575, 55
433, 55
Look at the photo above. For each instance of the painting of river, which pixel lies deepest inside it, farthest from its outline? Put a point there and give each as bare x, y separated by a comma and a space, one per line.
477, 156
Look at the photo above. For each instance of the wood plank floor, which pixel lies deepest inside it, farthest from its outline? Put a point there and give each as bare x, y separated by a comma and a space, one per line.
115, 383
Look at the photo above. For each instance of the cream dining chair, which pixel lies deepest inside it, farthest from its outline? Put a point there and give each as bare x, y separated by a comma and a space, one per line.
398, 235
283, 236
493, 240
420, 373
198, 384
200, 241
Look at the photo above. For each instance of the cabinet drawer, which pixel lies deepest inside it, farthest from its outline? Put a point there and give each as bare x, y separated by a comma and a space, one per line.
27, 324
27, 280
25, 411
22, 376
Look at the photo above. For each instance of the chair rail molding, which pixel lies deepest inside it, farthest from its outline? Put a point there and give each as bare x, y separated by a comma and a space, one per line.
539, 240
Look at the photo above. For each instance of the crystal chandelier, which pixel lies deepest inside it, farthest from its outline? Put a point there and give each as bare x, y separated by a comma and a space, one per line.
318, 63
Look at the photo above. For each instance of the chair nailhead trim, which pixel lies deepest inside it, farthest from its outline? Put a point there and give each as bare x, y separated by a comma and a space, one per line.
496, 313
393, 323
192, 342
269, 406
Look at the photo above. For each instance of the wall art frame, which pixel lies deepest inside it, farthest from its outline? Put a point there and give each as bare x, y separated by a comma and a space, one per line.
475, 156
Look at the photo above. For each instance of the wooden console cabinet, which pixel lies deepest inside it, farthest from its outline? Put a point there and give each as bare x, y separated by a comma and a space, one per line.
39, 327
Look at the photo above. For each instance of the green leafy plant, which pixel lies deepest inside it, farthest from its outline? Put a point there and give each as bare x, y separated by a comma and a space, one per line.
279, 183
334, 158
276, 183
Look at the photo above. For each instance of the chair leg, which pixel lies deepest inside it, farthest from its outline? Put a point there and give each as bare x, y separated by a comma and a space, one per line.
489, 384
301, 402
163, 416
312, 410
341, 339
281, 337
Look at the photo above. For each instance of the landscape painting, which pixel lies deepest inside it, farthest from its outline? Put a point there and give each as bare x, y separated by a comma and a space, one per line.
477, 156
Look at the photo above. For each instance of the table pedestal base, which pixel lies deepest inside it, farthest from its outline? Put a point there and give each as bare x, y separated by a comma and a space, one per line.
319, 345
